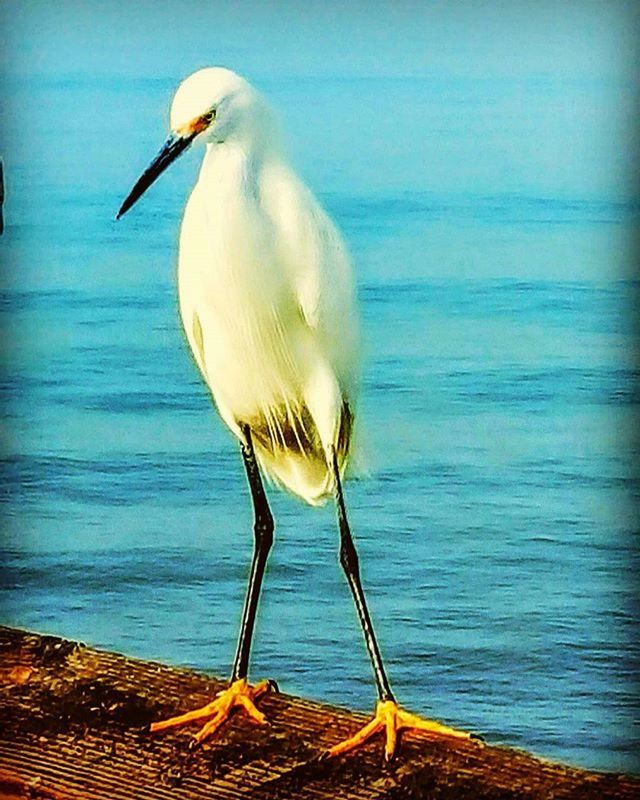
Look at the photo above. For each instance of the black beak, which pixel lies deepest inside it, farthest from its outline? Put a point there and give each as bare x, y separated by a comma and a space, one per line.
172, 148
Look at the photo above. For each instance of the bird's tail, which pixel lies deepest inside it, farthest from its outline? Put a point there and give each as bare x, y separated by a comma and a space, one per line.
292, 454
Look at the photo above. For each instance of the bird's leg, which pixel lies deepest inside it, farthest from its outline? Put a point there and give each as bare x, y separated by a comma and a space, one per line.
263, 540
351, 567
240, 694
388, 716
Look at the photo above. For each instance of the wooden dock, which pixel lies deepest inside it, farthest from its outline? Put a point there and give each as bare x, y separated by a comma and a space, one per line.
73, 725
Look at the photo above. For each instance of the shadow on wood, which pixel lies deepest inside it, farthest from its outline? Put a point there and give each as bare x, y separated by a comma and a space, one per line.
74, 726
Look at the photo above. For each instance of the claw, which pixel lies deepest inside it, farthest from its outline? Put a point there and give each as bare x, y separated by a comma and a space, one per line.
392, 719
237, 696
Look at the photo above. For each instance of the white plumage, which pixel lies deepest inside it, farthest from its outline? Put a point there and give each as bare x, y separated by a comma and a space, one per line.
265, 289
267, 304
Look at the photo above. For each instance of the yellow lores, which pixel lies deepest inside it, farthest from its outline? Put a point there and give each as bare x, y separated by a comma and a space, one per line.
268, 307
197, 125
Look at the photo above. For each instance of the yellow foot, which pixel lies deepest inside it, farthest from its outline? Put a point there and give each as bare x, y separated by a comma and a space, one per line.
238, 695
392, 719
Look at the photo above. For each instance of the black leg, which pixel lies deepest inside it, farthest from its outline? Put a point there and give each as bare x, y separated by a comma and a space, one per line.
349, 562
263, 539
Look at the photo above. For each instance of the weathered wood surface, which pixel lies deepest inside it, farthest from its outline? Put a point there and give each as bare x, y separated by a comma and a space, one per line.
72, 725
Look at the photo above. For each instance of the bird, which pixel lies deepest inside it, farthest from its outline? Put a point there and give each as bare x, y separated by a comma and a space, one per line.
268, 305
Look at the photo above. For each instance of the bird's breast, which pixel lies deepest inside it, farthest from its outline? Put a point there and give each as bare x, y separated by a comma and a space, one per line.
238, 309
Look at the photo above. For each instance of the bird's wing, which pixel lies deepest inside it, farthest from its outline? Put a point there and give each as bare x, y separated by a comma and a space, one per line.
315, 255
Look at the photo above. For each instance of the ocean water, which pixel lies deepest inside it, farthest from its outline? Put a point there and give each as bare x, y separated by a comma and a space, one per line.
492, 224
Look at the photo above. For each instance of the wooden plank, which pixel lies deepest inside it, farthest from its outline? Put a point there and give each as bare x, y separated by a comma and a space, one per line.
73, 725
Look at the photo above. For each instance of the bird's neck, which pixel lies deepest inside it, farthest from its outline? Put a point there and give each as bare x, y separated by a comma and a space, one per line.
235, 165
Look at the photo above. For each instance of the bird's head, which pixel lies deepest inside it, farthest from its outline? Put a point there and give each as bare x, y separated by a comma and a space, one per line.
214, 106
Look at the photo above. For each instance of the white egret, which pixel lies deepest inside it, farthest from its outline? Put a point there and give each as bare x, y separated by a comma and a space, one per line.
268, 307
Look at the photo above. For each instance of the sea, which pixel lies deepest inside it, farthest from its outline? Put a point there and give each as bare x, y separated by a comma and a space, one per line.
492, 224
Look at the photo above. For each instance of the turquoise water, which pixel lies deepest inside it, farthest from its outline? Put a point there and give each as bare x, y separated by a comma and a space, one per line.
492, 224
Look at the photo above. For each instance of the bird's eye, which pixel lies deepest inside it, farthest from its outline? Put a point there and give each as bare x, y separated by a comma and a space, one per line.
209, 116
